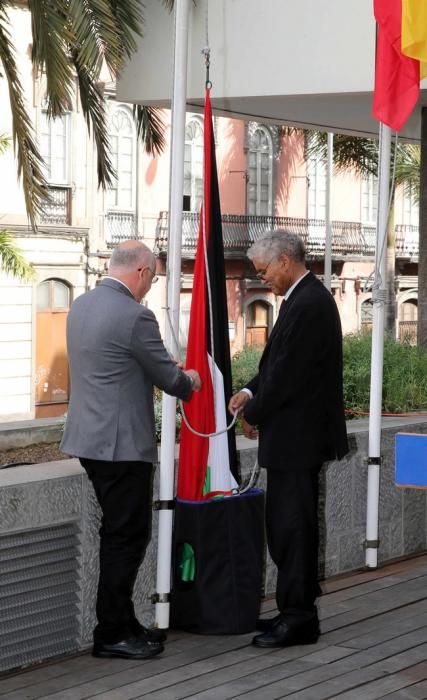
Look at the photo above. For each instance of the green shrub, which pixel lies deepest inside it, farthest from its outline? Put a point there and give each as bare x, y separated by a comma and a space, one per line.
404, 375
244, 365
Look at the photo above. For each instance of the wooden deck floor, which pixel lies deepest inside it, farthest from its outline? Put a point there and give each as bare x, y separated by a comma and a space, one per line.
373, 645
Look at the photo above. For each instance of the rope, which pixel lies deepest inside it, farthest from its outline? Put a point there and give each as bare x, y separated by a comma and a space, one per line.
379, 296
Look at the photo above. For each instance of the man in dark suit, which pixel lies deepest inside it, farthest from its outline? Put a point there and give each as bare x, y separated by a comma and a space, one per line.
296, 401
116, 355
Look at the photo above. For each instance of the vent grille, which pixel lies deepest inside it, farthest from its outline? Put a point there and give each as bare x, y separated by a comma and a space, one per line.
39, 595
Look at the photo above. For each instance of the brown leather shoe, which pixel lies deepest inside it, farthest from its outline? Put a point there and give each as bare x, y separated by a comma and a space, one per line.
282, 635
132, 648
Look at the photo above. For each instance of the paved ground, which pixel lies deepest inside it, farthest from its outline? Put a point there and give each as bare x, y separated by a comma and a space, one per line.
373, 645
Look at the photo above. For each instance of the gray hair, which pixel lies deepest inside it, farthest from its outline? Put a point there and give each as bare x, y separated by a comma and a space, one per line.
278, 242
127, 257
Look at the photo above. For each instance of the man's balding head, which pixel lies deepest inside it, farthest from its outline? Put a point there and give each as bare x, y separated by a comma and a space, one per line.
131, 254
134, 264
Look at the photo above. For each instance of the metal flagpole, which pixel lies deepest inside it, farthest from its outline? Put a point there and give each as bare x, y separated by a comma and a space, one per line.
378, 297
327, 277
173, 282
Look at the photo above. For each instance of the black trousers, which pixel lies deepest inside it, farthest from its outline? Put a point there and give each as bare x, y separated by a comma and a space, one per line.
293, 539
124, 492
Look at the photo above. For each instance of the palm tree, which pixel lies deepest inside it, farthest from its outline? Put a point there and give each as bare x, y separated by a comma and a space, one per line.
12, 260
72, 40
361, 156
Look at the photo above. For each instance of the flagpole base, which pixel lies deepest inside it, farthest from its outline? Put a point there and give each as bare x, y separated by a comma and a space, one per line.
162, 615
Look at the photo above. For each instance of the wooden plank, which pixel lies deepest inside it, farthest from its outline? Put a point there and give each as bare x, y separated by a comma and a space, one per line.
384, 686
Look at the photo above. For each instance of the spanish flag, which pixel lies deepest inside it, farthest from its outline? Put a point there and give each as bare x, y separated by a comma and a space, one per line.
397, 77
414, 31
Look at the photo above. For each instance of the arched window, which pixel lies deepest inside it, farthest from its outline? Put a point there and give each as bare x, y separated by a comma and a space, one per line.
193, 166
260, 172
122, 138
366, 316
257, 322
408, 321
53, 295
55, 147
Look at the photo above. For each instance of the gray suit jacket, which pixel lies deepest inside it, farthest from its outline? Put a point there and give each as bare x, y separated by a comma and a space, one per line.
116, 355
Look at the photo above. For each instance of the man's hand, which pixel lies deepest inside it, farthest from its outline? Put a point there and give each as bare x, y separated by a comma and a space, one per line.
195, 377
249, 430
237, 402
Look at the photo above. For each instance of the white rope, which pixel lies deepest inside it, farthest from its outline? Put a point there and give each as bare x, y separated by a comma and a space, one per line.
379, 295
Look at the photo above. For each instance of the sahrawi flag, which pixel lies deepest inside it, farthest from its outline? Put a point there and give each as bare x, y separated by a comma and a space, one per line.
206, 464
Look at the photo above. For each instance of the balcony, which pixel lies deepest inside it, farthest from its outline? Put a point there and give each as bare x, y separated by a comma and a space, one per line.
119, 226
349, 238
58, 209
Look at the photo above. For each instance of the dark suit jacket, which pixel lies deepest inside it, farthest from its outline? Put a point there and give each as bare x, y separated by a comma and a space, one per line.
298, 393
116, 355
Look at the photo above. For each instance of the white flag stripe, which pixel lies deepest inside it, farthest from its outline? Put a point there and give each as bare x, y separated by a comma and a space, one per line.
218, 458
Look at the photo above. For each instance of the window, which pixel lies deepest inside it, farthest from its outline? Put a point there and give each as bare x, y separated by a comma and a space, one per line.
53, 295
369, 199
54, 146
316, 199
260, 173
121, 194
408, 321
193, 166
411, 211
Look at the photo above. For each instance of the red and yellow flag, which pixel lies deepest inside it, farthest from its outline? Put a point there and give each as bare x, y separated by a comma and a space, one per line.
414, 32
397, 77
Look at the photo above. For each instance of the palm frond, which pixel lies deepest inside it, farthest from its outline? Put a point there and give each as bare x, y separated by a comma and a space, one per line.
51, 38
99, 35
12, 260
150, 128
93, 107
350, 152
4, 143
408, 164
129, 21
30, 162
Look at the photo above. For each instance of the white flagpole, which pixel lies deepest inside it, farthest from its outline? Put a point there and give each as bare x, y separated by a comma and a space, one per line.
173, 282
377, 353
327, 276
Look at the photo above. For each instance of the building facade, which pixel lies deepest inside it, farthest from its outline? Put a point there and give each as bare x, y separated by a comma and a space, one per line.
264, 183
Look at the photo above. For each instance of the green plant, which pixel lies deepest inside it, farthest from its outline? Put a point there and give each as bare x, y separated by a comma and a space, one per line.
404, 375
244, 365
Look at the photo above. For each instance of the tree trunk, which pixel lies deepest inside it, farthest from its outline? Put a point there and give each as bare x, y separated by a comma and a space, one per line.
422, 256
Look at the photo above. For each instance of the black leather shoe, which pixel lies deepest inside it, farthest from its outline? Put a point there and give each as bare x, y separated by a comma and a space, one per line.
153, 634
281, 635
132, 648
266, 623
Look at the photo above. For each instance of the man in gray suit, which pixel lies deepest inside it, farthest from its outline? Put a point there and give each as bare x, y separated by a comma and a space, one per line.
116, 355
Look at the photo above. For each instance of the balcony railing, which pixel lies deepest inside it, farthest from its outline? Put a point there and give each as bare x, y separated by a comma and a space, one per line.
349, 238
58, 209
119, 226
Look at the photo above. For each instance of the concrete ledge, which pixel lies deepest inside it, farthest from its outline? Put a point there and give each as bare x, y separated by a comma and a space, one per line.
30, 432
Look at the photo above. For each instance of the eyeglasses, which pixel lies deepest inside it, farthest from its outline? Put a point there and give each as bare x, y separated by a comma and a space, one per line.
153, 274
262, 273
